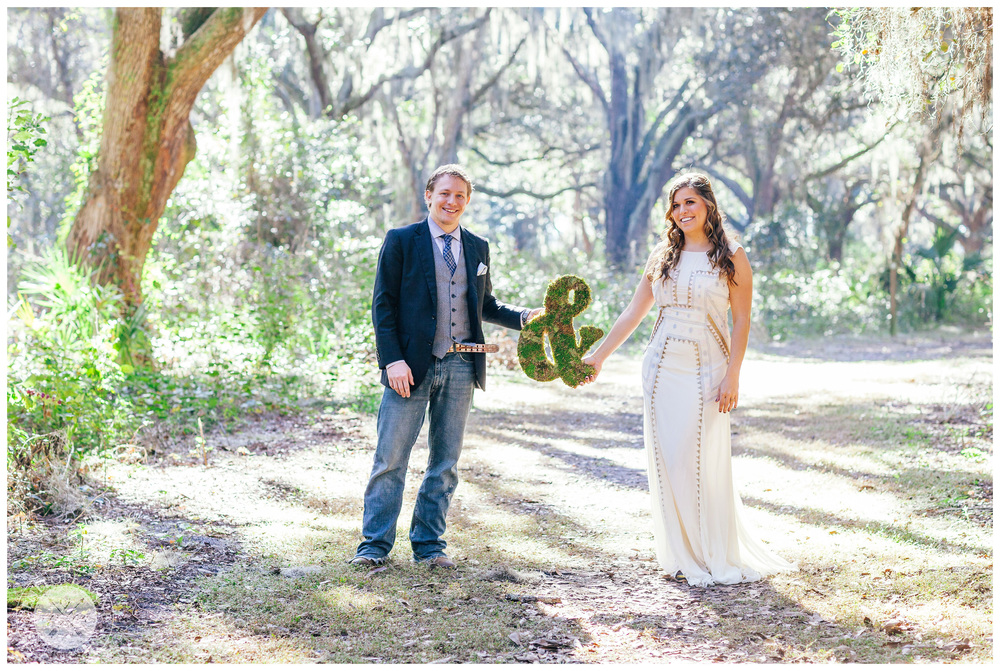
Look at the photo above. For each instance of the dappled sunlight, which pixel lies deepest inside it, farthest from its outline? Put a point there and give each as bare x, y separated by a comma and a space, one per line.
554, 480
212, 493
810, 453
105, 541
554, 536
769, 378
348, 598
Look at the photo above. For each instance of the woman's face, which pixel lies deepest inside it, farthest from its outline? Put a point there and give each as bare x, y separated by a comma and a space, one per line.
689, 211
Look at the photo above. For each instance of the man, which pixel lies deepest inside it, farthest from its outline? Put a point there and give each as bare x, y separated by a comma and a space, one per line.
432, 292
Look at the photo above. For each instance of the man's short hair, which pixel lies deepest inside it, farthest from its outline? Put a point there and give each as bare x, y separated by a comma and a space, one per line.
450, 169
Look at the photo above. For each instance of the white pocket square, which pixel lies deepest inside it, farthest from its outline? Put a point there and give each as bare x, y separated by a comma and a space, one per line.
482, 270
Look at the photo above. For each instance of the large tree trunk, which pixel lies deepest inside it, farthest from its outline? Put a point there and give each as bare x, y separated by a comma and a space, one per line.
644, 146
147, 138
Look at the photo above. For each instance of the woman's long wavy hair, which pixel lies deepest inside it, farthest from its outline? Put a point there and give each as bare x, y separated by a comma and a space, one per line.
667, 253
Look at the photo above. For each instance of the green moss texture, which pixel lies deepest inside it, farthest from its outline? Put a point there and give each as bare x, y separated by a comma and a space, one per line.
565, 298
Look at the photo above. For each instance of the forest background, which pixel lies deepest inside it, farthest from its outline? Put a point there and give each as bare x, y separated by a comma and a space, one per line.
850, 149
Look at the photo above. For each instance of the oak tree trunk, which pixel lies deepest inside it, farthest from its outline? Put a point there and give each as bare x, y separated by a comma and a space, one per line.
147, 139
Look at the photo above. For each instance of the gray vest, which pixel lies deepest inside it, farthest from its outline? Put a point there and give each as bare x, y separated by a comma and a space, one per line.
452, 303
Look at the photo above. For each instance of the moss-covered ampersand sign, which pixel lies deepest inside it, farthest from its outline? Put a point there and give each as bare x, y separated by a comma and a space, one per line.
565, 298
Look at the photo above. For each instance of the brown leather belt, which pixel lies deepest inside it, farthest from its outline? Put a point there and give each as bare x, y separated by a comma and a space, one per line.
474, 348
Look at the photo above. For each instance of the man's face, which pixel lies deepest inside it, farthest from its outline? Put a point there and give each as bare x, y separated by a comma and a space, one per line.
447, 201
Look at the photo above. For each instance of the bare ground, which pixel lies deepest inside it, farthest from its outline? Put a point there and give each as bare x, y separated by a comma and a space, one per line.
864, 461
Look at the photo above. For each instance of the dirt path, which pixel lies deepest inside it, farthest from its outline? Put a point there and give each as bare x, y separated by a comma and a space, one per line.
849, 459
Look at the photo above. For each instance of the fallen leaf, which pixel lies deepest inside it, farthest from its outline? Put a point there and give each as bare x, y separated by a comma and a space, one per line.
547, 643
443, 660
957, 646
893, 627
516, 637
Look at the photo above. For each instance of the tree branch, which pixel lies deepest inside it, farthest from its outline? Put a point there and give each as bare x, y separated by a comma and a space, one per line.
586, 76
410, 71
315, 51
731, 184
588, 12
520, 190
647, 140
203, 52
378, 21
843, 162
493, 80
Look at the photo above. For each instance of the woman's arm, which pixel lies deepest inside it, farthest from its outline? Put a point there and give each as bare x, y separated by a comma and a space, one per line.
740, 297
627, 322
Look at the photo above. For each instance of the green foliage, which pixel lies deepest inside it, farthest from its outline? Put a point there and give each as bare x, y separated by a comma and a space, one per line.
941, 287
64, 373
25, 598
835, 298
192, 18
522, 280
565, 298
24, 139
912, 58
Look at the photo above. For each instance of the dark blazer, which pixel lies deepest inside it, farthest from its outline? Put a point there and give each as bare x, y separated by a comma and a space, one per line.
404, 303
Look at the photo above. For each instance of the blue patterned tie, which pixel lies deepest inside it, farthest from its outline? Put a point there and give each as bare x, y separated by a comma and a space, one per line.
449, 259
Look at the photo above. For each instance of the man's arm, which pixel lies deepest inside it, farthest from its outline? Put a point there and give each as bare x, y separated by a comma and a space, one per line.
497, 312
385, 300
385, 315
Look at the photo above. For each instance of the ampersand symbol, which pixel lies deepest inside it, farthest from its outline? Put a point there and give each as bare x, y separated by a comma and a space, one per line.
565, 298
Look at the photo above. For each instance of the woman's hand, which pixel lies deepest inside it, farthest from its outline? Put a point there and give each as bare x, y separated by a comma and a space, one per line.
592, 360
729, 392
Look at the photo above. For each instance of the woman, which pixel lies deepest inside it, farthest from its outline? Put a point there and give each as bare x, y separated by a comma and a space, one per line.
690, 381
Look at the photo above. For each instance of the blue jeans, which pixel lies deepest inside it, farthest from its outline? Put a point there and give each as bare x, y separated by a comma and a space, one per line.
447, 392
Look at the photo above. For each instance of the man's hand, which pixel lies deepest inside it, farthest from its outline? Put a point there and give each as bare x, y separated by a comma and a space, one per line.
400, 378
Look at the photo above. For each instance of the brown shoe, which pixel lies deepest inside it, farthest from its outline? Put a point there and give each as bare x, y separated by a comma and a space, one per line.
440, 562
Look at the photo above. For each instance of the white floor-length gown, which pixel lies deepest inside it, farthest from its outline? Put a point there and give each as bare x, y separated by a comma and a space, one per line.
697, 513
